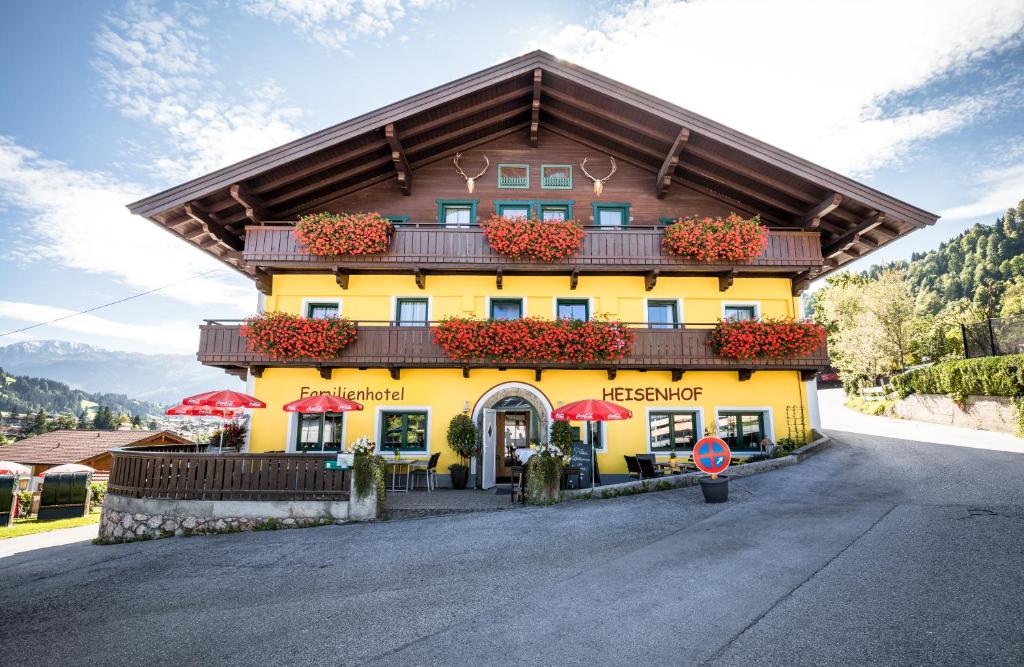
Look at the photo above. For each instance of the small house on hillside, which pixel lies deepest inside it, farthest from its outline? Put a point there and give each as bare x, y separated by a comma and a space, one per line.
91, 448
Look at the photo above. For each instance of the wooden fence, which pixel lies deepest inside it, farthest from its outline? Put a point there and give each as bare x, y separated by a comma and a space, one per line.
193, 476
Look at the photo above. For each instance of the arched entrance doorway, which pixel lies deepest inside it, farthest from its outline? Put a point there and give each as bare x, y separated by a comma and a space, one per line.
523, 415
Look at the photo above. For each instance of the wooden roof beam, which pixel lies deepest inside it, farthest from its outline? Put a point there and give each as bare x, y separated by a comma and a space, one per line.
585, 107
402, 167
668, 167
535, 109
330, 180
213, 228
253, 209
606, 134
846, 242
299, 174
812, 219
740, 187
415, 130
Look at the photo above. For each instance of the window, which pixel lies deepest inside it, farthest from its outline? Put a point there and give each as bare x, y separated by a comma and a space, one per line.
506, 309
397, 220
742, 431
319, 433
556, 176
611, 214
514, 209
555, 210
456, 212
411, 312
322, 310
572, 309
663, 314
739, 311
672, 431
595, 435
514, 176
406, 431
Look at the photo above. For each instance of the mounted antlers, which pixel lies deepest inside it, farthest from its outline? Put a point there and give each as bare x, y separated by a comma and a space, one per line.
598, 182
470, 180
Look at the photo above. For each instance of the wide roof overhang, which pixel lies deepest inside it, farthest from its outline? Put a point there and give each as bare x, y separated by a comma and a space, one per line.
532, 93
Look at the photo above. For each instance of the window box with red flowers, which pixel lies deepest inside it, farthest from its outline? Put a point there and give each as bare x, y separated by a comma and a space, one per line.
545, 240
328, 234
283, 336
745, 340
730, 239
533, 340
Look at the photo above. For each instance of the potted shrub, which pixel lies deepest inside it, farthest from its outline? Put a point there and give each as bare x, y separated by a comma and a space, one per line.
462, 438
544, 474
562, 434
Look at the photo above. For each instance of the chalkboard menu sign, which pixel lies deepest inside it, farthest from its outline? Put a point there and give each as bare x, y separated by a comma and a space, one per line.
582, 458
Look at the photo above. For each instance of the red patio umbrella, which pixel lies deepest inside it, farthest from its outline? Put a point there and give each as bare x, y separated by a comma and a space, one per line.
225, 398
591, 410
66, 467
12, 468
320, 404
201, 411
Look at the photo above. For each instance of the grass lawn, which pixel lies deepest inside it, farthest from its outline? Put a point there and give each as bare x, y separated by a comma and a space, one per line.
872, 408
32, 525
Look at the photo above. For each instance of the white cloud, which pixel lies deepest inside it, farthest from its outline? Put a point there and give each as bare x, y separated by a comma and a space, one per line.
824, 79
995, 190
163, 336
154, 67
333, 23
78, 219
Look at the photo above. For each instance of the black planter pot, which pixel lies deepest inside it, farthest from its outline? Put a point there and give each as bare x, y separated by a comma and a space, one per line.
460, 476
715, 490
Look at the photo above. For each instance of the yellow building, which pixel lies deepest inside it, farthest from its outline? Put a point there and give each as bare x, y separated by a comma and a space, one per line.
537, 129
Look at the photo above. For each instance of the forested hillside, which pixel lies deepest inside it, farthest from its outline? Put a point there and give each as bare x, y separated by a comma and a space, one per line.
984, 264
19, 393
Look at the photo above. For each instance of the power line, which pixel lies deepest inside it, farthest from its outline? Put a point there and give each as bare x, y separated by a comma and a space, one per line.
112, 303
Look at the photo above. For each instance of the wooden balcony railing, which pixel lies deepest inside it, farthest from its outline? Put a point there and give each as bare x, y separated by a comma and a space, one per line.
397, 347
432, 248
191, 476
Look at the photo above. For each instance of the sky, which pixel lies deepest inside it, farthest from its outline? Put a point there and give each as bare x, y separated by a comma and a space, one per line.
107, 101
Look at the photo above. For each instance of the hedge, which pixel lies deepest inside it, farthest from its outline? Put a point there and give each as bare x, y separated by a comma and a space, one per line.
987, 376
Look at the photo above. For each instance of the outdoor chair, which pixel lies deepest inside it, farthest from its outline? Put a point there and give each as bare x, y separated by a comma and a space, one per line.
647, 469
426, 468
632, 467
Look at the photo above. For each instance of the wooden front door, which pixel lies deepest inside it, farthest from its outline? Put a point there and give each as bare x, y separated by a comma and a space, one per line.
513, 432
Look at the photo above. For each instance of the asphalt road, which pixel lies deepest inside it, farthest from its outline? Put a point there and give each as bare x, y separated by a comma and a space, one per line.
877, 551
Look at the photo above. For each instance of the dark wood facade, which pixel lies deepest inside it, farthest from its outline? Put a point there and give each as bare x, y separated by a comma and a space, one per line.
397, 347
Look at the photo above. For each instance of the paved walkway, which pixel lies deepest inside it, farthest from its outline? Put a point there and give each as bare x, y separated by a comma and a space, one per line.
53, 538
876, 551
836, 416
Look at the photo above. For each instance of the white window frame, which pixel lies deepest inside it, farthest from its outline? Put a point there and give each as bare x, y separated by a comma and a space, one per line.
603, 426
588, 299
394, 306
679, 310
698, 427
743, 304
312, 299
291, 442
487, 304
381, 409
769, 419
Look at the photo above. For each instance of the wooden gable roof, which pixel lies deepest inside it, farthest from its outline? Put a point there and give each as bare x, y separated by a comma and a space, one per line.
532, 93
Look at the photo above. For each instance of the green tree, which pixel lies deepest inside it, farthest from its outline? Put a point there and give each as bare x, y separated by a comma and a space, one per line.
136, 423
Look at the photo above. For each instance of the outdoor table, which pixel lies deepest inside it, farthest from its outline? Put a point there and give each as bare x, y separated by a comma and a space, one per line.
673, 467
395, 465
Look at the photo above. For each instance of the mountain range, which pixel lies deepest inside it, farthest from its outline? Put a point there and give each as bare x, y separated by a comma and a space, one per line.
156, 378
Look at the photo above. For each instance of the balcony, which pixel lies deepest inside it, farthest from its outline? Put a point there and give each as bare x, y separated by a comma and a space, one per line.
426, 248
383, 345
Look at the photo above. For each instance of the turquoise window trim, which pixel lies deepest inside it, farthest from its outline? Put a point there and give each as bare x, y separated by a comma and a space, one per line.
397, 219
573, 302
404, 430
666, 220
611, 205
442, 203
541, 204
500, 204
555, 184
321, 420
512, 182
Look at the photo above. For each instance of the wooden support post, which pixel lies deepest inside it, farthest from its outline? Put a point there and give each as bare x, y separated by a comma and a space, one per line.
402, 168
465, 371
421, 279
341, 277
396, 373
812, 219
256, 371
212, 228
650, 280
677, 374
537, 373
253, 209
807, 375
668, 167
574, 279
264, 282
725, 280
745, 374
498, 278
326, 372
800, 283
535, 109
612, 372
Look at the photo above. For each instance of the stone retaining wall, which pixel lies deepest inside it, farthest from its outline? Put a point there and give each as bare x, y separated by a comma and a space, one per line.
990, 413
